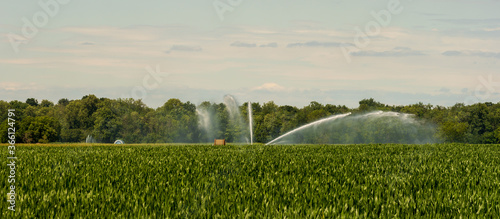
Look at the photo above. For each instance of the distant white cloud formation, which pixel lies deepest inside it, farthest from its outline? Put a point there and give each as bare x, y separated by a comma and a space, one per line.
315, 44
396, 52
15, 86
186, 48
470, 21
270, 87
273, 45
242, 44
472, 53
86, 43
444, 90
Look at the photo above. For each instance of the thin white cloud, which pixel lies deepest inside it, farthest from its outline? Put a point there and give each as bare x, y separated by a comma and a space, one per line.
273, 87
315, 44
186, 48
133, 34
86, 43
396, 52
16, 86
492, 29
470, 21
243, 44
444, 90
472, 53
26, 61
272, 45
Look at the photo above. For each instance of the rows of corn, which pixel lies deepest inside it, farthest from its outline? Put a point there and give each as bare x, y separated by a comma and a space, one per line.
199, 181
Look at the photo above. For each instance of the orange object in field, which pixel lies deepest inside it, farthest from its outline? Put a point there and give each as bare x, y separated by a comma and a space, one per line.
219, 141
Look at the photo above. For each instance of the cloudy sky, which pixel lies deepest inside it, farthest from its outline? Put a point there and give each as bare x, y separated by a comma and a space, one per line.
289, 51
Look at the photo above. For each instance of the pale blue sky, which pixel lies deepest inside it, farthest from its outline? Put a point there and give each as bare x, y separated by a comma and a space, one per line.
292, 52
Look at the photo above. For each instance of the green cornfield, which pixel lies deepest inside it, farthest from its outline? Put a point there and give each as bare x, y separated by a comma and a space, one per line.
240, 181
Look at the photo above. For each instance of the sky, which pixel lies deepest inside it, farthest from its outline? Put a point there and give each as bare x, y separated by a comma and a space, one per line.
291, 52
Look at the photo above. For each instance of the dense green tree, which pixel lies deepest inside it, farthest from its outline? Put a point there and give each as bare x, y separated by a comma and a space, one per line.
454, 131
78, 121
40, 129
32, 101
222, 117
19, 107
46, 103
4, 106
107, 124
369, 105
420, 110
177, 121
287, 118
63, 102
133, 120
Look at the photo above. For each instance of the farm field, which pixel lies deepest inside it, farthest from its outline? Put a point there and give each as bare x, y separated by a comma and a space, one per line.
199, 181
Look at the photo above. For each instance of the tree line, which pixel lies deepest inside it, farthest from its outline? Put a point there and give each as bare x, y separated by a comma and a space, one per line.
132, 121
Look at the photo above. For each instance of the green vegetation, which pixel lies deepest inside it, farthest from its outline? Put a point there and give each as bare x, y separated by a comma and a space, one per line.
175, 121
316, 181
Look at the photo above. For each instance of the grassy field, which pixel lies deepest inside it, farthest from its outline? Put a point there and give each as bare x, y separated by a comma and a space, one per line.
197, 181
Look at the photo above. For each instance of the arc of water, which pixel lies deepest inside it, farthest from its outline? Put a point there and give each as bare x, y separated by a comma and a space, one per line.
250, 121
309, 125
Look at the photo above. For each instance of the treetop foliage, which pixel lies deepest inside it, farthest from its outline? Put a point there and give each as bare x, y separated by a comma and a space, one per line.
175, 121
